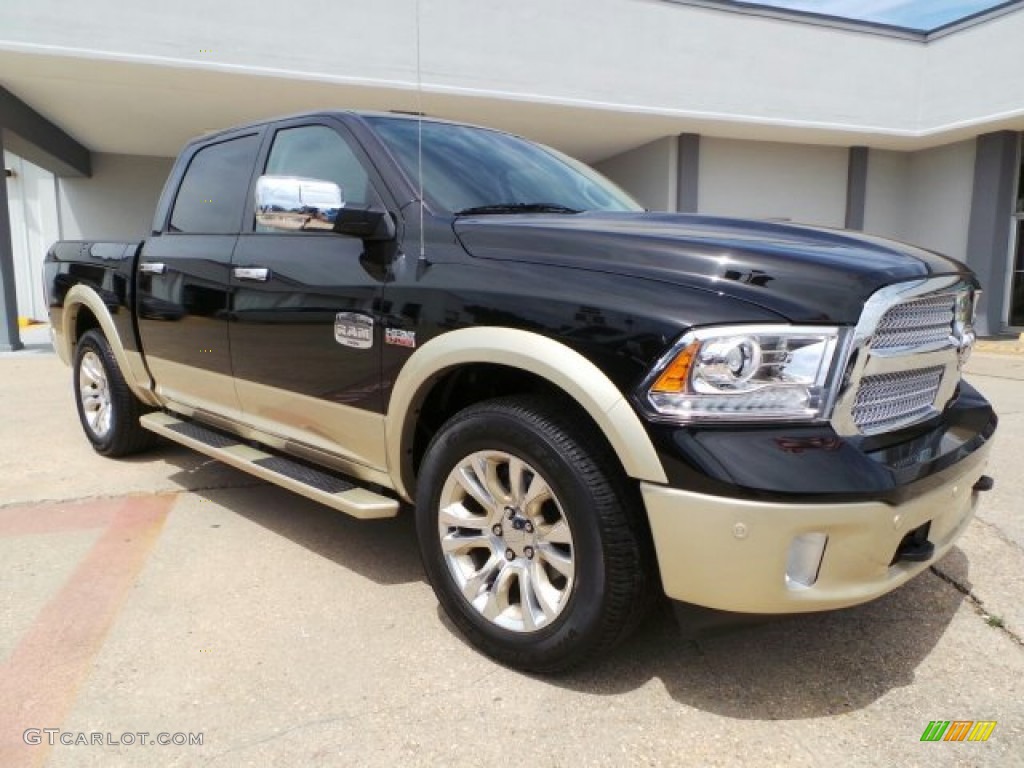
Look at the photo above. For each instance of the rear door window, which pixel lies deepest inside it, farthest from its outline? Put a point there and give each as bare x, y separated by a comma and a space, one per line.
212, 196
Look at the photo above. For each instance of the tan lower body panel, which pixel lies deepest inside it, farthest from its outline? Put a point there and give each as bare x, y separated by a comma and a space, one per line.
732, 555
353, 433
358, 502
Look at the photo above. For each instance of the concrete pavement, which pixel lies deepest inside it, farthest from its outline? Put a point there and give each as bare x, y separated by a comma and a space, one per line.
168, 594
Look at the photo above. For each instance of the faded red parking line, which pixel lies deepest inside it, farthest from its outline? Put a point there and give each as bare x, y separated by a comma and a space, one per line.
57, 518
40, 679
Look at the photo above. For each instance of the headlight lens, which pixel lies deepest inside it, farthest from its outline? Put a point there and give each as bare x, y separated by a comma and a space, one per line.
745, 373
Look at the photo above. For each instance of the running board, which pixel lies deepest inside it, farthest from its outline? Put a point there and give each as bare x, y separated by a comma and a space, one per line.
330, 489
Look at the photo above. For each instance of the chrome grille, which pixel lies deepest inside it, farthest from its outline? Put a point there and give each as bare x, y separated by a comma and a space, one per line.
889, 399
916, 323
903, 361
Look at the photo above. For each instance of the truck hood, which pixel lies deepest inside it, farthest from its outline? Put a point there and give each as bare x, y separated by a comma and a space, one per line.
806, 274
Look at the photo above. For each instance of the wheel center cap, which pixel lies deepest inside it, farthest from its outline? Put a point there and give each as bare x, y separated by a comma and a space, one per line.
518, 531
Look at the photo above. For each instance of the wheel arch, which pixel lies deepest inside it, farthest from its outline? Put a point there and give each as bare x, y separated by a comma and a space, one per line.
549, 360
83, 310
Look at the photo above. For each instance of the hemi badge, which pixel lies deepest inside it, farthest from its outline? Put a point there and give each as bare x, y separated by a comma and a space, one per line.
400, 338
353, 329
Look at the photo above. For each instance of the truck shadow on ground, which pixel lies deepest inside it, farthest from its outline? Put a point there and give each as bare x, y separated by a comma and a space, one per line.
383, 551
794, 667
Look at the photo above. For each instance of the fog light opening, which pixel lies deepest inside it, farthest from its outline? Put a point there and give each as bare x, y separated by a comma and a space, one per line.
803, 564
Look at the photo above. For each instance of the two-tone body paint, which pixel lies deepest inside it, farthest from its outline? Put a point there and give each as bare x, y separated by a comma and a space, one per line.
615, 289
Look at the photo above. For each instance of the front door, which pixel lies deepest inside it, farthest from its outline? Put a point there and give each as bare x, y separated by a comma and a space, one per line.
305, 336
182, 280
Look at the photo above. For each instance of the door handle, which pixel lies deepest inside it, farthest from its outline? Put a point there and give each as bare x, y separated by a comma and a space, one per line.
152, 268
259, 274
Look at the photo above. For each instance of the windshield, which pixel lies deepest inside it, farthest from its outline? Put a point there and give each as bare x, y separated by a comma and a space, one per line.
475, 170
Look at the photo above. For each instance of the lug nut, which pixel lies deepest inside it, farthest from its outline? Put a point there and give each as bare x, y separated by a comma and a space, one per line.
529, 553
529, 527
510, 555
496, 530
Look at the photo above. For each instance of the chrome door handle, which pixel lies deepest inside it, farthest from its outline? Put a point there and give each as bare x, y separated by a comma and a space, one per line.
259, 274
152, 268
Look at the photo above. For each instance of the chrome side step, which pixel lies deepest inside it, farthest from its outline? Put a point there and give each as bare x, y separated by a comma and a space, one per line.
330, 489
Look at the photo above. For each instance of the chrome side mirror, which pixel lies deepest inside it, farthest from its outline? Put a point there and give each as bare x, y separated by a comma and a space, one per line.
291, 203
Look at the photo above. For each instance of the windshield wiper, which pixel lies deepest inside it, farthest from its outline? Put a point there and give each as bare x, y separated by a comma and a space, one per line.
517, 208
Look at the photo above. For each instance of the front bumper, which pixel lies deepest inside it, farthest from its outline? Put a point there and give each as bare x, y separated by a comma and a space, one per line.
732, 554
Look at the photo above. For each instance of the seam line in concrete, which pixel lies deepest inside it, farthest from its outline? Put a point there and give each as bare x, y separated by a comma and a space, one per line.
979, 605
138, 495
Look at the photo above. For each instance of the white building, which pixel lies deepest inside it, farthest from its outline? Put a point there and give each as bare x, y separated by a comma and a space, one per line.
691, 105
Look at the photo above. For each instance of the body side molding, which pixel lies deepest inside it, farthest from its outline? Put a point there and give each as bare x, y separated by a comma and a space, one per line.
562, 366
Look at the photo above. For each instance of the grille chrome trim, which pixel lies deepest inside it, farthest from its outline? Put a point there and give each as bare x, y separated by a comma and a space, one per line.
886, 343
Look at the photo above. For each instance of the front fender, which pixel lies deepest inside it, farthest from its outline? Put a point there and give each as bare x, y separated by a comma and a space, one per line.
572, 373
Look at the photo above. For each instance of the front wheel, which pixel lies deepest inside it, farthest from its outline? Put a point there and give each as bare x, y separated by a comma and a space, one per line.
108, 410
528, 535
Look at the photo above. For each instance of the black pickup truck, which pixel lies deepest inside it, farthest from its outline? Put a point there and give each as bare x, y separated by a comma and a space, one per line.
586, 403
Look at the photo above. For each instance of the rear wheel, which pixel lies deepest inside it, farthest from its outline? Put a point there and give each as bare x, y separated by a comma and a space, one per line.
528, 535
108, 410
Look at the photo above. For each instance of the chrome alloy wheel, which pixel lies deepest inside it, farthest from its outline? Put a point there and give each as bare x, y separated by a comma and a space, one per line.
506, 541
94, 390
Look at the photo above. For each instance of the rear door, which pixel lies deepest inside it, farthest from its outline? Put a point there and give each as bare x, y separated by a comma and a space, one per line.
305, 331
183, 282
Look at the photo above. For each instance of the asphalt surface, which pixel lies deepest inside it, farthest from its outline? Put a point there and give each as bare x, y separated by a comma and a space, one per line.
168, 594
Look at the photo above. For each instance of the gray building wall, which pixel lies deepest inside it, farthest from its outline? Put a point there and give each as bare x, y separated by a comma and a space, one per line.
117, 202
887, 203
941, 183
922, 197
763, 180
647, 172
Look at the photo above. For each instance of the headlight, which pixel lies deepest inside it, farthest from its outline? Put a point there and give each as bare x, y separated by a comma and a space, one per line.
745, 373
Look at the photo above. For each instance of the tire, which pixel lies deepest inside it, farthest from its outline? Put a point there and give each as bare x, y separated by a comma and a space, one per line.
567, 535
107, 409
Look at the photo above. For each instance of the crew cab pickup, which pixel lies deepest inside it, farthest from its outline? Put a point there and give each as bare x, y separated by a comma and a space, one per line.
585, 404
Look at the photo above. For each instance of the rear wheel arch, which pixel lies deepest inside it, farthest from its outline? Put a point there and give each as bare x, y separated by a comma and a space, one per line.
84, 310
84, 321
539, 364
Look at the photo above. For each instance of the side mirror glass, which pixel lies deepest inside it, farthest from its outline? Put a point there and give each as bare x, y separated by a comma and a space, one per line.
291, 203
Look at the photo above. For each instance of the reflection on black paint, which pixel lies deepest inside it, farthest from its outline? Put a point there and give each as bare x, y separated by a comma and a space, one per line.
754, 277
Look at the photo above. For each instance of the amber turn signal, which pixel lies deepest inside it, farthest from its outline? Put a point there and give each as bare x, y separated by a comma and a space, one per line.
674, 378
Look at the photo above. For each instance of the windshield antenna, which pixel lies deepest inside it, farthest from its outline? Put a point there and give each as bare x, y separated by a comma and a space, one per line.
419, 129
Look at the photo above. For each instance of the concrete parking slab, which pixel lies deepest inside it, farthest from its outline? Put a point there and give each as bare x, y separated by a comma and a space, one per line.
287, 634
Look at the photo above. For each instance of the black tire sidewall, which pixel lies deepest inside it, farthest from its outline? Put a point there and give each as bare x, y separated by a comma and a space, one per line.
92, 342
578, 625
123, 437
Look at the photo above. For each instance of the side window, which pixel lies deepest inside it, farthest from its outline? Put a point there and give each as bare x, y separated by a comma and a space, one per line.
212, 195
318, 152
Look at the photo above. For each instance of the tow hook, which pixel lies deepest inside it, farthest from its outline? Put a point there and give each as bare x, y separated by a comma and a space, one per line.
985, 483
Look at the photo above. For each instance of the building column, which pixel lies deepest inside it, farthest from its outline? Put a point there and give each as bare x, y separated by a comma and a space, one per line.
856, 187
688, 173
10, 337
988, 235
